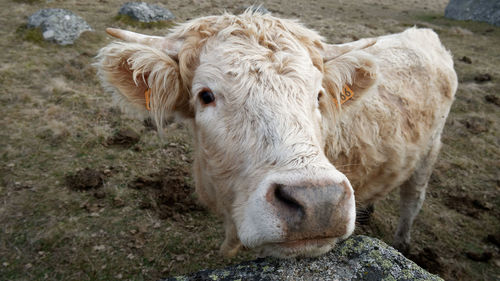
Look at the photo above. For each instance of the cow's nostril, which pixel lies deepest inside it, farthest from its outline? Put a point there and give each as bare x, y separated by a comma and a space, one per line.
285, 197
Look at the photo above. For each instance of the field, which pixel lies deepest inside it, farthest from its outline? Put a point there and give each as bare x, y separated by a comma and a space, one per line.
89, 193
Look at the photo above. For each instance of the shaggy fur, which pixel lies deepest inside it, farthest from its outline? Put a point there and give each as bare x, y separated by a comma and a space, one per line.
274, 119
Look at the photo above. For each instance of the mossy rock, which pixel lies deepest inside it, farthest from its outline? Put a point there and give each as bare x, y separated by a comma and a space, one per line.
357, 258
128, 20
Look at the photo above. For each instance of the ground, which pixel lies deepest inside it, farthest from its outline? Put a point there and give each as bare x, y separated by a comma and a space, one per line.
86, 191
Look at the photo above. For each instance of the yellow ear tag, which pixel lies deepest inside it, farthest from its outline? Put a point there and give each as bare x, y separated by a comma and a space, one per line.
346, 94
147, 95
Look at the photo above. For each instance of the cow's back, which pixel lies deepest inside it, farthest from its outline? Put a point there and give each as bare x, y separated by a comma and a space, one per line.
391, 130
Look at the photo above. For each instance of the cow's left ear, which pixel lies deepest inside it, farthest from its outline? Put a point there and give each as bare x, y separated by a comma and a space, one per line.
349, 72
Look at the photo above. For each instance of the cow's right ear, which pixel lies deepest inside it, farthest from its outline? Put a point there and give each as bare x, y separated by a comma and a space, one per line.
145, 75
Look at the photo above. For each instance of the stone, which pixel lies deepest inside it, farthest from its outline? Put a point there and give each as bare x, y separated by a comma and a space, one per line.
476, 10
145, 12
58, 25
357, 258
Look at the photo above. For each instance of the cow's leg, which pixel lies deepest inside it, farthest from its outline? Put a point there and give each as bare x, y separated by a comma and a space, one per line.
412, 195
231, 244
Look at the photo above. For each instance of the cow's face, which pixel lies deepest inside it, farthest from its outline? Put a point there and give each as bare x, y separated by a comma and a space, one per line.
253, 88
260, 158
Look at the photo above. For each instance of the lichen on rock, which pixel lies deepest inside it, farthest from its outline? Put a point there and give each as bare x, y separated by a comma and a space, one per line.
60, 26
357, 258
476, 10
145, 12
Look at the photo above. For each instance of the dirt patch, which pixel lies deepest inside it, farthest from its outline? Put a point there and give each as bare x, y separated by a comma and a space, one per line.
92, 207
124, 137
85, 179
467, 205
99, 194
482, 77
428, 259
494, 239
480, 257
476, 125
170, 192
492, 99
465, 59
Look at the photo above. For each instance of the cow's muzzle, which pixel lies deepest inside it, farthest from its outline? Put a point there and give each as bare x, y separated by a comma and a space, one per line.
312, 212
297, 214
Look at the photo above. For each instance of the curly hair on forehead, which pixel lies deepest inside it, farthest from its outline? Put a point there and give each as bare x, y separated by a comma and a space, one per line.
264, 30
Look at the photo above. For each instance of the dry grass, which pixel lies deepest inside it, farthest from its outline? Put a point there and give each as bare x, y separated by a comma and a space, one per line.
56, 120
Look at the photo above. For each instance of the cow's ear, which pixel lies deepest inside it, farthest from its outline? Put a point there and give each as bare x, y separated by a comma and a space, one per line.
144, 76
349, 72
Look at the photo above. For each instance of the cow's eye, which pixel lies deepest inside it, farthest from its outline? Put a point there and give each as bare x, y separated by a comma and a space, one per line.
320, 94
206, 96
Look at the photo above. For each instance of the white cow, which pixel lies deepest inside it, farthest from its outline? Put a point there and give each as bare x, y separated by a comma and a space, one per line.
290, 131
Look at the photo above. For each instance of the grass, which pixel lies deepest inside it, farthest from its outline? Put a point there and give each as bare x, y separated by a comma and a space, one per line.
31, 2
31, 34
56, 119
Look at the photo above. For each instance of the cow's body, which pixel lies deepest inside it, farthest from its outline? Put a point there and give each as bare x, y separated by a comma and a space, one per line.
276, 155
394, 138
379, 145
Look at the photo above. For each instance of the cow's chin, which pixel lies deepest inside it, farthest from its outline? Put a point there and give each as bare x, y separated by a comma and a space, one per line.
298, 248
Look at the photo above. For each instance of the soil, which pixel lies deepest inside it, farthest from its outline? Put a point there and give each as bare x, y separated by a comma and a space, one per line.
467, 206
124, 137
170, 194
492, 99
494, 239
85, 179
476, 125
483, 77
481, 257
466, 59
428, 259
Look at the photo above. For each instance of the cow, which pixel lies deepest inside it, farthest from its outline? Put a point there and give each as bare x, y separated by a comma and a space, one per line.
290, 132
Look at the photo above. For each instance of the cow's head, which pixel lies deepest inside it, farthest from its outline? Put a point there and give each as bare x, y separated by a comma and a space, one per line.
261, 95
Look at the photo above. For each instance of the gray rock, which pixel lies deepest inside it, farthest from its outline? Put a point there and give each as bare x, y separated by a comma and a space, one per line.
357, 258
476, 10
58, 25
145, 12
